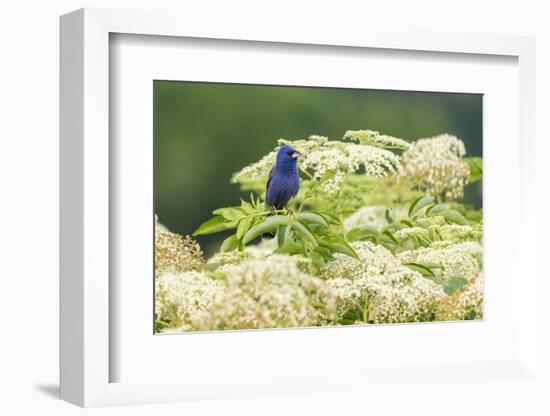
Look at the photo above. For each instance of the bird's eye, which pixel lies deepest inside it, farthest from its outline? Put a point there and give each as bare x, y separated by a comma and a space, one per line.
290, 152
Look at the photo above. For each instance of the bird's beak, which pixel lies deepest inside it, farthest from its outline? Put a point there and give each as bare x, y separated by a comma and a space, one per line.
296, 155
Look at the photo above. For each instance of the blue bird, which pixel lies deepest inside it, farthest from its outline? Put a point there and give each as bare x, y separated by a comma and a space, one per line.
283, 182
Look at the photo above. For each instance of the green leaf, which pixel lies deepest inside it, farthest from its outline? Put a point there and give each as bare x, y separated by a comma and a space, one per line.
397, 225
312, 218
476, 168
388, 216
316, 229
244, 226
230, 213
290, 247
282, 235
362, 233
472, 315
436, 209
215, 225
436, 279
248, 208
387, 227
406, 222
256, 203
420, 203
421, 268
212, 266
303, 231
318, 305
325, 252
387, 242
318, 260
454, 284
351, 315
328, 216
230, 243
474, 215
270, 224
432, 265
216, 275
453, 216
345, 248
388, 234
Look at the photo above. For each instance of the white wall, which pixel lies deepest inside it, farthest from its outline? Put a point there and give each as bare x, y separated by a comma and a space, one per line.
29, 183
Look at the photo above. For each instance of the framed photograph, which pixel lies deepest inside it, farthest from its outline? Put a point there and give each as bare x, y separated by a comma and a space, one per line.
270, 212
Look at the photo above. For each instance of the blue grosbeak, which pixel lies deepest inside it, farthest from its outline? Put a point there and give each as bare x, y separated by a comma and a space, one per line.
283, 182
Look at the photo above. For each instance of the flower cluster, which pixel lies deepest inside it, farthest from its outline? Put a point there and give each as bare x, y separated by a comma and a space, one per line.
436, 166
265, 293
345, 295
262, 290
372, 216
255, 171
327, 161
374, 138
332, 162
463, 304
451, 233
175, 253
462, 259
392, 292
412, 232
180, 297
460, 233
228, 258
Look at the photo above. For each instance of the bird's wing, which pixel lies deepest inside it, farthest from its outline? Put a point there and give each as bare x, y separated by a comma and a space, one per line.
269, 181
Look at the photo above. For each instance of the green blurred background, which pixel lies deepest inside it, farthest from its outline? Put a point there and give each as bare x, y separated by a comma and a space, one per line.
204, 132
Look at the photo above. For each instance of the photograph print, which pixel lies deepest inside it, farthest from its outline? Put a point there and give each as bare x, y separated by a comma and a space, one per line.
289, 206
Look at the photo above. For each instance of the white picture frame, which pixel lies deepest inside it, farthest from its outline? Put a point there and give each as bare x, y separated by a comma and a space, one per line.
86, 356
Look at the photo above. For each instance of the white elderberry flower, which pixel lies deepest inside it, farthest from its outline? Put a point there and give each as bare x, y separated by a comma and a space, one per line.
265, 247
160, 227
439, 244
392, 292
411, 232
265, 293
436, 166
460, 233
372, 216
434, 220
176, 253
327, 161
374, 138
375, 259
334, 160
466, 303
345, 294
257, 170
462, 259
179, 297
229, 258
